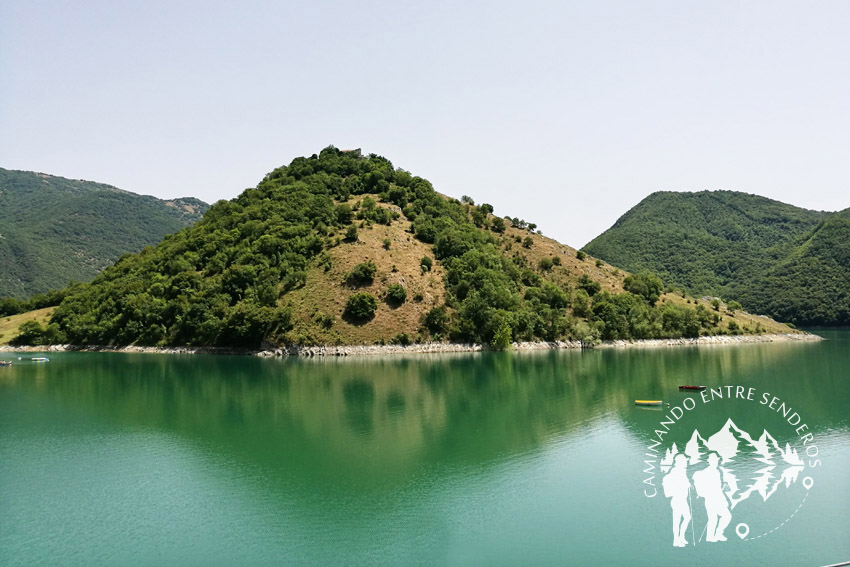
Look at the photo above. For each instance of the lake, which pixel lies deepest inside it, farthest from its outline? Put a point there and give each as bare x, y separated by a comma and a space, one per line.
508, 458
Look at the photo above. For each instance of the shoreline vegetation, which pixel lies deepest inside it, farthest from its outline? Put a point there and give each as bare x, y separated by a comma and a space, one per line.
425, 348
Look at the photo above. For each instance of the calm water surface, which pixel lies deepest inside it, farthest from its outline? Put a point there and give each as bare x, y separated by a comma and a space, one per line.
485, 459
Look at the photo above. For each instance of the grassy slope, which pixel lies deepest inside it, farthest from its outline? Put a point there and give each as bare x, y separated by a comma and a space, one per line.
325, 293
55, 230
9, 325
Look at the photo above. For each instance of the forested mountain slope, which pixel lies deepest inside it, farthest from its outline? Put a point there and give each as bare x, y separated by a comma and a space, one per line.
54, 230
783, 261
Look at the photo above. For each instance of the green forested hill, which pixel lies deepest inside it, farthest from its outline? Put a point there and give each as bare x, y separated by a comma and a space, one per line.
790, 263
54, 230
340, 248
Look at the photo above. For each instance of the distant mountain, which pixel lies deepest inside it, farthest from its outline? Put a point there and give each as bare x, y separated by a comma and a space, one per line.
790, 263
54, 230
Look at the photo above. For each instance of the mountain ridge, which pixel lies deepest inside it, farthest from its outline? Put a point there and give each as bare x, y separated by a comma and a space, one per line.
54, 230
784, 261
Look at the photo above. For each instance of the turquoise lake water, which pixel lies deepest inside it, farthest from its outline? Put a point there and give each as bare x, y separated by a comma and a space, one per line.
468, 459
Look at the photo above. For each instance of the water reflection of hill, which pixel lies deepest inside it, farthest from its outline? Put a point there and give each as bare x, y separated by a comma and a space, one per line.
387, 416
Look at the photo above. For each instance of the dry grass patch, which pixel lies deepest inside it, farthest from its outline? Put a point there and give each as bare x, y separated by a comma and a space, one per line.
9, 325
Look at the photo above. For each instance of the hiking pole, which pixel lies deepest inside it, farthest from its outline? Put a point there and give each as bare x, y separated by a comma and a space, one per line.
691, 511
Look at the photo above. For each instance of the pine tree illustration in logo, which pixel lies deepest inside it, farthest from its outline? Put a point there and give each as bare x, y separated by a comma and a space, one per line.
725, 469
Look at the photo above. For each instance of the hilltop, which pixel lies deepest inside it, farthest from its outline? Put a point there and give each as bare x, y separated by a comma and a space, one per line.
55, 230
790, 263
345, 249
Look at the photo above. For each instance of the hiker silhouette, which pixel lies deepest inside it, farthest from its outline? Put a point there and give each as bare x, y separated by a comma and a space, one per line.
677, 487
708, 483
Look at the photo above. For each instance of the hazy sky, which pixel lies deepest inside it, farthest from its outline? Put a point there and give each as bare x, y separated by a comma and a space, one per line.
563, 113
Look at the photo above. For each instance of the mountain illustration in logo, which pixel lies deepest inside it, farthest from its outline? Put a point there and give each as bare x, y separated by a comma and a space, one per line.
756, 461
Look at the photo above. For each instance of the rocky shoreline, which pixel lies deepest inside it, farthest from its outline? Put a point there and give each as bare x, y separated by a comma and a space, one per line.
425, 348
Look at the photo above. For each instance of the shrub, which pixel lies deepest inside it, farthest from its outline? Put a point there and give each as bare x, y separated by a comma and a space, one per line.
361, 274
402, 339
733, 306
645, 285
418, 297
498, 225
528, 242
581, 303
32, 333
580, 255
396, 294
546, 264
502, 337
351, 233
324, 261
387, 244
360, 307
425, 263
326, 321
599, 263
588, 285
344, 214
436, 320
556, 260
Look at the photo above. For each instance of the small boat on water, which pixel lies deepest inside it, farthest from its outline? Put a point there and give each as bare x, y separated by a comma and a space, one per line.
692, 387
648, 402
40, 359
5, 363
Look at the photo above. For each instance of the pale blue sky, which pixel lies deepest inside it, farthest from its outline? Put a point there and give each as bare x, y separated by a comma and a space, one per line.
563, 113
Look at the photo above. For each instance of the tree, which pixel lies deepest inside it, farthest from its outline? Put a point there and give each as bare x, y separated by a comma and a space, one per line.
588, 285
361, 274
351, 233
436, 321
478, 217
498, 225
581, 303
33, 333
396, 294
645, 284
502, 337
360, 307
344, 214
